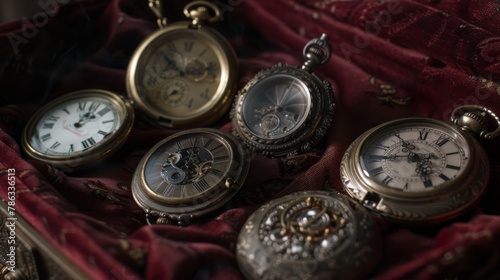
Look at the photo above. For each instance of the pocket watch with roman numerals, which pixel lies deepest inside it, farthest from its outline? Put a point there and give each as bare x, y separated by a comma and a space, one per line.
78, 129
188, 175
286, 110
184, 74
420, 170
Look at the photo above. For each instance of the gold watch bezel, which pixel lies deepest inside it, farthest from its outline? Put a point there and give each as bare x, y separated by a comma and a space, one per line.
94, 154
218, 105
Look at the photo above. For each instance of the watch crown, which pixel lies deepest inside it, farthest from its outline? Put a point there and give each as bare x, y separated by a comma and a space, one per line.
477, 120
471, 122
317, 52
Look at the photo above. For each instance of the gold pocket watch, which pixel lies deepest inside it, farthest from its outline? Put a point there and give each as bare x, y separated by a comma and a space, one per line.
421, 171
183, 75
309, 235
188, 175
78, 129
286, 110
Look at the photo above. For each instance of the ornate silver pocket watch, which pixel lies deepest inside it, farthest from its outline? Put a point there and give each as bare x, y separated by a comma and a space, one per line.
420, 170
309, 235
78, 129
184, 74
286, 110
188, 175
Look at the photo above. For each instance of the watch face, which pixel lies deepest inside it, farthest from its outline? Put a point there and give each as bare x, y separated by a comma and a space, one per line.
190, 172
414, 156
276, 106
181, 73
78, 124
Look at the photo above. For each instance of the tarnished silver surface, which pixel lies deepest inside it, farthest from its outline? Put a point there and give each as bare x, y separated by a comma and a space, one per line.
286, 110
416, 171
309, 235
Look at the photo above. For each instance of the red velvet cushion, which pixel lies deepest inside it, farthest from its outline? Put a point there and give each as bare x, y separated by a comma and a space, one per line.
391, 59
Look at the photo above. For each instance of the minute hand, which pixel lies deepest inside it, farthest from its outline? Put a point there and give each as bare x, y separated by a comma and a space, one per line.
285, 95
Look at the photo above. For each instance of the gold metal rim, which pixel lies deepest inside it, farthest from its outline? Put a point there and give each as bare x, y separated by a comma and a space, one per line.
91, 155
219, 103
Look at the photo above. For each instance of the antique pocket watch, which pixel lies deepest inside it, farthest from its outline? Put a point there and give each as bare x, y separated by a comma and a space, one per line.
286, 110
78, 129
420, 171
309, 235
188, 175
183, 75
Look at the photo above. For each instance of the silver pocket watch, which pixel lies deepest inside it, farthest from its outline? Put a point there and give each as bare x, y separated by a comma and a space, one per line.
420, 171
309, 235
286, 110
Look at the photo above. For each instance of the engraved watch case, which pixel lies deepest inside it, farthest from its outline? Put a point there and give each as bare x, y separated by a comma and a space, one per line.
286, 110
309, 235
420, 171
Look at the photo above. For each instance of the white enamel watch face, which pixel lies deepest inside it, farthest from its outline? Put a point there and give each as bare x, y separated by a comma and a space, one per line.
78, 128
182, 77
415, 157
276, 106
190, 173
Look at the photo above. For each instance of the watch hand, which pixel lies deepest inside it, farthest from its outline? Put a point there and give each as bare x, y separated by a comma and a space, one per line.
285, 95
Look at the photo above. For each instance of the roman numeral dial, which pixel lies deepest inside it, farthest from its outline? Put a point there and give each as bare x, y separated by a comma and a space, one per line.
195, 168
78, 128
75, 123
190, 166
413, 159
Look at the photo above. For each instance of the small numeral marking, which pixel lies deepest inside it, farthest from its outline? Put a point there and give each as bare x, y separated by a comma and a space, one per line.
376, 171
104, 111
423, 135
55, 145
88, 143
46, 137
441, 141
201, 185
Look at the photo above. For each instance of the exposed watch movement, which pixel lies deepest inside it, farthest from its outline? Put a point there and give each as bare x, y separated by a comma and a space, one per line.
286, 110
188, 175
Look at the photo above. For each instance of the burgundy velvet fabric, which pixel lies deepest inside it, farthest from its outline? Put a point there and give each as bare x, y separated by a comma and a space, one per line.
391, 59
